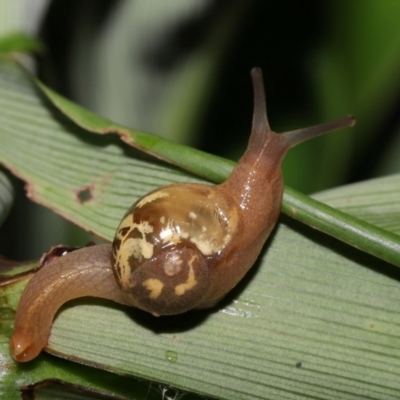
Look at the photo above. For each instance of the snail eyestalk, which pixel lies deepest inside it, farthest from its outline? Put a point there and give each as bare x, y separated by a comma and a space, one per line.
301, 135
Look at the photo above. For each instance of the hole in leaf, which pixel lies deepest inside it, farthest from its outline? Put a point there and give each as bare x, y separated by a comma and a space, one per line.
84, 195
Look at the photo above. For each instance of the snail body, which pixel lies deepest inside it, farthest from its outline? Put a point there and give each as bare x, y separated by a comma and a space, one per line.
179, 247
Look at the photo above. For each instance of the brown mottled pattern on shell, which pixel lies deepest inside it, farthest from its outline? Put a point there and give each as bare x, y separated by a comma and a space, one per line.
188, 219
153, 288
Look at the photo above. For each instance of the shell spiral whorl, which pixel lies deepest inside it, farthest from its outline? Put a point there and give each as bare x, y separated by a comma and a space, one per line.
166, 243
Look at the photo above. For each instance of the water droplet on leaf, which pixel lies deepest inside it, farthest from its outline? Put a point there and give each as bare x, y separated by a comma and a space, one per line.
171, 356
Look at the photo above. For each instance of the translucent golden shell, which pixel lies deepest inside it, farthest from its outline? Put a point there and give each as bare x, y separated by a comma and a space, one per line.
167, 240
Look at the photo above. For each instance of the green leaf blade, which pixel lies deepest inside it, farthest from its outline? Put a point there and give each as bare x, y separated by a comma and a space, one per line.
358, 233
338, 320
375, 201
19, 42
40, 146
6, 196
310, 299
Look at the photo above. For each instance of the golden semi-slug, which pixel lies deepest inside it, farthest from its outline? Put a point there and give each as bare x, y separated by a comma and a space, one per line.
180, 247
